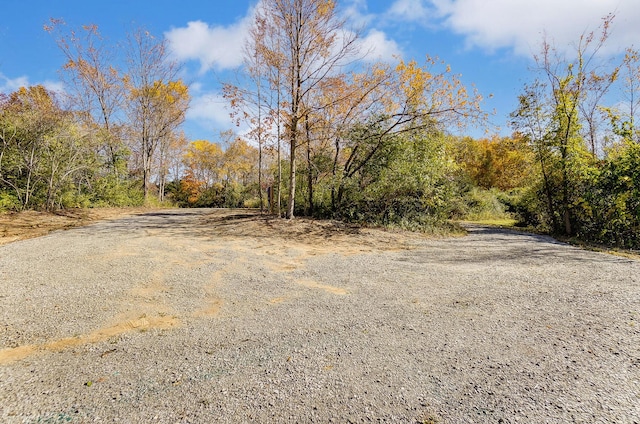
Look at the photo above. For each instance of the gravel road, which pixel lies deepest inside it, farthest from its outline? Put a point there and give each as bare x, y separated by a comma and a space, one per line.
201, 316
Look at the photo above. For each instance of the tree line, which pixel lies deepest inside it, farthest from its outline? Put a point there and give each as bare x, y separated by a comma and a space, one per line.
364, 140
103, 140
331, 133
571, 167
578, 118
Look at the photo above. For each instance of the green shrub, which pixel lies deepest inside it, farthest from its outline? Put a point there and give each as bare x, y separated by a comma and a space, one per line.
482, 204
113, 191
9, 202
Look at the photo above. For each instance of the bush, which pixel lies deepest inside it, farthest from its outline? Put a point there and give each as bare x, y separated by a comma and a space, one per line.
113, 191
481, 204
524, 205
74, 199
610, 212
9, 202
605, 206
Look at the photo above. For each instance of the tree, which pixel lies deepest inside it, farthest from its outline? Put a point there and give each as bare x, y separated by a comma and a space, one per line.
256, 67
424, 100
501, 162
170, 152
307, 42
205, 161
95, 86
549, 115
623, 119
158, 100
598, 83
29, 117
239, 162
616, 199
42, 149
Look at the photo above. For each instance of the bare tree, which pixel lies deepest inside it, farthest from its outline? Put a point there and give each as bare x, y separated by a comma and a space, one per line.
158, 100
549, 113
306, 42
624, 122
94, 84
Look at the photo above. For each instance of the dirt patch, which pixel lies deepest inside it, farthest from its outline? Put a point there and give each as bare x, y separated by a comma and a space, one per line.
16, 226
313, 237
322, 235
141, 323
325, 287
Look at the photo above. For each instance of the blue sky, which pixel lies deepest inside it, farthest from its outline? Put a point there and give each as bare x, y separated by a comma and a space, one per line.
489, 42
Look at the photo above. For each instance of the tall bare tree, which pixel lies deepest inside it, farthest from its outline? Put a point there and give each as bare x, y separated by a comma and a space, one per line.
307, 42
158, 100
94, 84
550, 115
624, 120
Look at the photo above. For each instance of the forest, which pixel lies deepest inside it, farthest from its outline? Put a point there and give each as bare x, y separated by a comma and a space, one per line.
331, 135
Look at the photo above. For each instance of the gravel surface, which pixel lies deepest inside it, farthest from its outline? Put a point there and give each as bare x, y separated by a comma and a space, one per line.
200, 316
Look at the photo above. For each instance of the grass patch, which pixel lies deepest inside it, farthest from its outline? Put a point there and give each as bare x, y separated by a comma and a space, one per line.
495, 222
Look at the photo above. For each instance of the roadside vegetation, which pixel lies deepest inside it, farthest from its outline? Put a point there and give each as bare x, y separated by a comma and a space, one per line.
332, 135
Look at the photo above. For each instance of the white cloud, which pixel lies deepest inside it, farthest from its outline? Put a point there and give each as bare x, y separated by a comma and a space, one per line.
379, 47
409, 10
195, 88
221, 47
9, 85
210, 110
520, 24
55, 86
356, 13
218, 47
209, 113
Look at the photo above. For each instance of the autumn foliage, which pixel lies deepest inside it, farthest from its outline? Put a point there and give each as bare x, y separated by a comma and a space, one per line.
499, 162
214, 177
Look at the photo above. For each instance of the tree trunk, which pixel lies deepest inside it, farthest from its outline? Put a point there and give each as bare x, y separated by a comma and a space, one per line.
566, 206
260, 147
292, 173
309, 167
334, 173
566, 212
145, 174
31, 165
279, 200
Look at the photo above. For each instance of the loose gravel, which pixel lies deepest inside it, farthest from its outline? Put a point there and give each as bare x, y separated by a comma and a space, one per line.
200, 316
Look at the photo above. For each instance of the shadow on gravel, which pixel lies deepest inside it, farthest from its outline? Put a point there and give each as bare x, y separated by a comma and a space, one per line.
210, 224
509, 233
174, 222
482, 244
253, 224
507, 247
